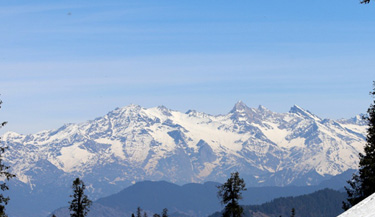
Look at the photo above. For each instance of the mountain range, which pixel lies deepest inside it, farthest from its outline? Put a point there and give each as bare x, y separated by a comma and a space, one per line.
132, 144
201, 200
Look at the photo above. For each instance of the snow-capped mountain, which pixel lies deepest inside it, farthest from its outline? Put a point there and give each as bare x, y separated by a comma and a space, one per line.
133, 143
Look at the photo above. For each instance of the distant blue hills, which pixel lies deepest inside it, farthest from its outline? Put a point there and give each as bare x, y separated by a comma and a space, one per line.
190, 199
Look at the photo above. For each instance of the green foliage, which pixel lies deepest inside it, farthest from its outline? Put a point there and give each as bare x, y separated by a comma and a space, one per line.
230, 193
323, 203
362, 184
79, 206
4, 174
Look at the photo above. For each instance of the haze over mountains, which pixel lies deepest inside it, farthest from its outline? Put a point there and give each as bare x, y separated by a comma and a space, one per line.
132, 144
200, 200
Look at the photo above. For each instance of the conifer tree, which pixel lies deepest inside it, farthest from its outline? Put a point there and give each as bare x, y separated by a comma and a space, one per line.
79, 206
165, 212
362, 184
293, 213
155, 215
145, 214
230, 193
139, 212
4, 174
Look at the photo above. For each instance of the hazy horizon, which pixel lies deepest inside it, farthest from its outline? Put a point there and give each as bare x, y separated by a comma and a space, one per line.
73, 61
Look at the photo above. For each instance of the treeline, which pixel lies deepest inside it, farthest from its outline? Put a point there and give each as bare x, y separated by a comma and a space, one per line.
164, 213
323, 203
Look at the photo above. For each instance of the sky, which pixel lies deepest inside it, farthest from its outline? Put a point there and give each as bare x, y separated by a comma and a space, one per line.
72, 61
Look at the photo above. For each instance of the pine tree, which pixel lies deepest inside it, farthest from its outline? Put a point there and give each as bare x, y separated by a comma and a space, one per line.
230, 193
165, 212
362, 184
293, 213
79, 206
4, 174
156, 215
139, 212
145, 214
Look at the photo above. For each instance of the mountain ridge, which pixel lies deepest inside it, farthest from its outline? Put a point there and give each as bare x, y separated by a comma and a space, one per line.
132, 144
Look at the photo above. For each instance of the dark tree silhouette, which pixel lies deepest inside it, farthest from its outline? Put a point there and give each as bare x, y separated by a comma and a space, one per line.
293, 213
362, 184
230, 193
79, 206
139, 212
4, 174
165, 212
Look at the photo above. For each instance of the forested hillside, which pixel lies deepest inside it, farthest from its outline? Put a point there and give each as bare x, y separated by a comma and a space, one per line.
323, 203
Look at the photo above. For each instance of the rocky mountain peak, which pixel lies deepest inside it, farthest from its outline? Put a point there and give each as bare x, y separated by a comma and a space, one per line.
165, 111
304, 113
133, 143
239, 107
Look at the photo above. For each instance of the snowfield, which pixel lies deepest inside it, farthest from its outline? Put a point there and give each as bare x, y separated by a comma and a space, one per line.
132, 143
365, 208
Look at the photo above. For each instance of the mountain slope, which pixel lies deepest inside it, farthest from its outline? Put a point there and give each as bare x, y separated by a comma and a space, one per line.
187, 200
131, 144
322, 203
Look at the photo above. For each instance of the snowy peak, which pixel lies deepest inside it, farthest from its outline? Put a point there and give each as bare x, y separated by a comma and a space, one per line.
242, 113
134, 143
304, 113
165, 111
357, 120
239, 107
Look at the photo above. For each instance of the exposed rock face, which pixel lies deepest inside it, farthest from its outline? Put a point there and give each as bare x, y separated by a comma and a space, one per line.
133, 143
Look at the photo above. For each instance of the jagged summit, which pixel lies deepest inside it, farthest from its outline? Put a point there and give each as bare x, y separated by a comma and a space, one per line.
166, 111
358, 120
132, 144
300, 111
239, 107
262, 108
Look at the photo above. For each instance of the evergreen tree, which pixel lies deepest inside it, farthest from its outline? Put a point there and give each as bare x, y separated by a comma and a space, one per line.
4, 174
230, 193
79, 206
155, 215
165, 212
145, 214
133, 215
139, 212
362, 184
293, 213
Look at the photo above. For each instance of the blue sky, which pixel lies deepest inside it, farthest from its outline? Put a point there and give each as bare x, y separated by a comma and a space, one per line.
71, 61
